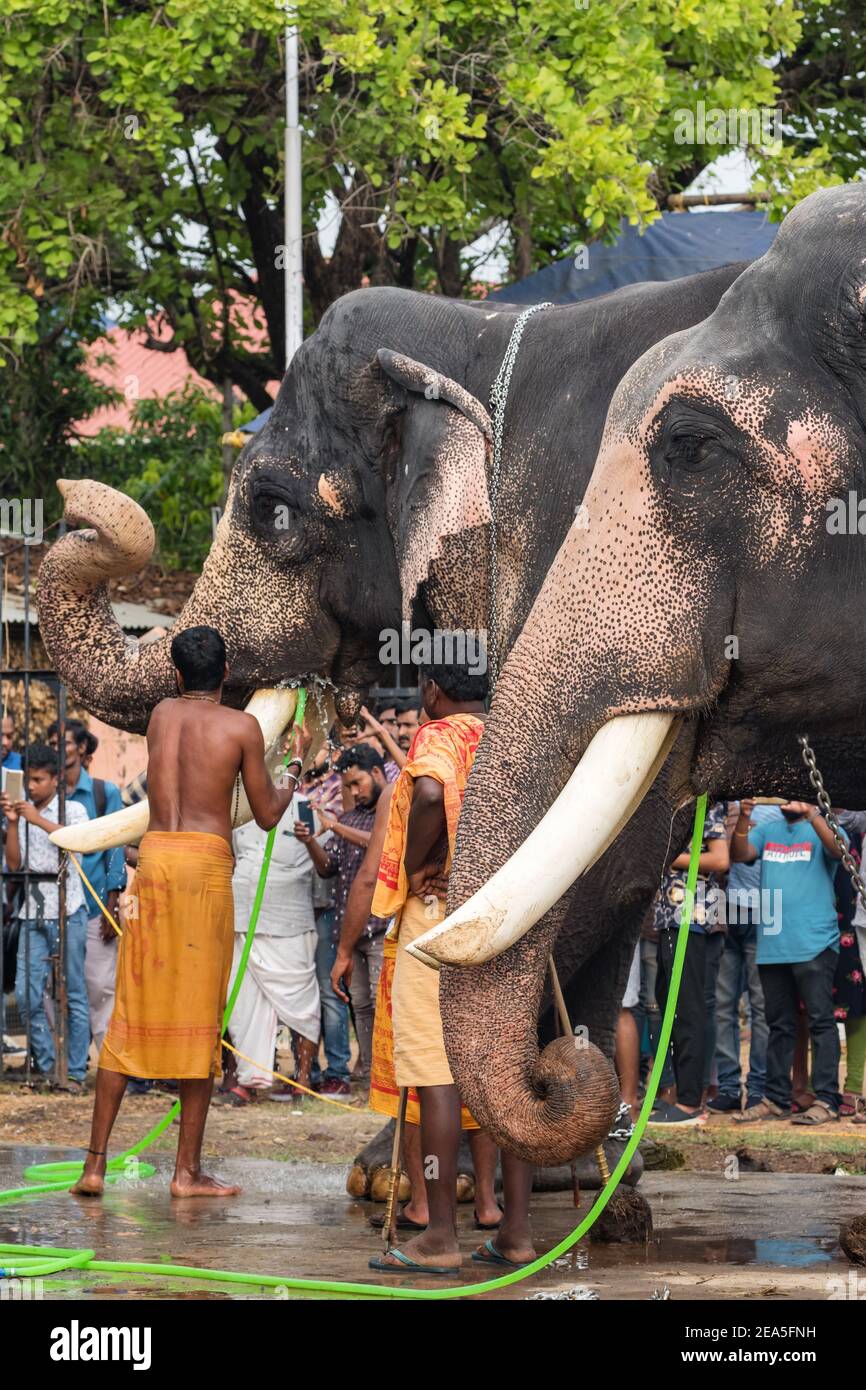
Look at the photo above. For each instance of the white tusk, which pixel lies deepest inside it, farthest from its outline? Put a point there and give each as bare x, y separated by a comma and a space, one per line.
599, 798
274, 709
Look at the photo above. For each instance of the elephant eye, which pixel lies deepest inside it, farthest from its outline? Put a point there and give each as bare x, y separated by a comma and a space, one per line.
691, 452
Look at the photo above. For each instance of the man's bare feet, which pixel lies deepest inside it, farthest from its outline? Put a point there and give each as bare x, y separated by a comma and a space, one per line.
92, 1180
89, 1185
200, 1185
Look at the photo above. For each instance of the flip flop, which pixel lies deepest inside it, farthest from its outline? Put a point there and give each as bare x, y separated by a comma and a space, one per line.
493, 1257
487, 1225
412, 1266
404, 1222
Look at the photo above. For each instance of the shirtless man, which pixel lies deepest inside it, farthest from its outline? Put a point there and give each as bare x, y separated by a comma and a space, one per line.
175, 955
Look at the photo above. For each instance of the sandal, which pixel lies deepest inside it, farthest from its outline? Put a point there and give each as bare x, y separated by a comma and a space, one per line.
487, 1225
409, 1266
238, 1095
817, 1114
487, 1254
800, 1104
403, 1223
859, 1115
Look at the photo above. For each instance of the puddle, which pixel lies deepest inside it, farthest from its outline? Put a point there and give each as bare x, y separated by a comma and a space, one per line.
766, 1235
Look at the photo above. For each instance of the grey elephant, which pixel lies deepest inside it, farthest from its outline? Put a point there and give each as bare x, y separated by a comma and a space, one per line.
707, 613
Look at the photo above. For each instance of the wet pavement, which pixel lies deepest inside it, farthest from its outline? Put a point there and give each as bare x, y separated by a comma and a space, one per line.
771, 1235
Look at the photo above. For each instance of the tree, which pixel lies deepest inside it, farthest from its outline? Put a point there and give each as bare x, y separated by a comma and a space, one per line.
140, 145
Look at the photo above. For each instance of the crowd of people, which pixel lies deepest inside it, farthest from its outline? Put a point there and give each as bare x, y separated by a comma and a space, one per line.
288, 978
777, 942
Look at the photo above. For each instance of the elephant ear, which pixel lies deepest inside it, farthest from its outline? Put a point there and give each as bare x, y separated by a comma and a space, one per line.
438, 499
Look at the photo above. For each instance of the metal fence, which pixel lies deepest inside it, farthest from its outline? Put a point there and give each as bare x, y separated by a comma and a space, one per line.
24, 886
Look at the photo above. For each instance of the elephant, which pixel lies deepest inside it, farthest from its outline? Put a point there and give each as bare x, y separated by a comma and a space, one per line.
706, 614
367, 499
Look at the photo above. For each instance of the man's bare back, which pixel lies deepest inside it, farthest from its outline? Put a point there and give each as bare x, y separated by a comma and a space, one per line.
196, 748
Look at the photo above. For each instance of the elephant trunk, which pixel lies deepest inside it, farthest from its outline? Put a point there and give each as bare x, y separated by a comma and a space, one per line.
112, 676
547, 1106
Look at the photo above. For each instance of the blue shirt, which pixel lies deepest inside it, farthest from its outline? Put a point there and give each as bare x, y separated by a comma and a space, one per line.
796, 866
744, 880
12, 760
107, 868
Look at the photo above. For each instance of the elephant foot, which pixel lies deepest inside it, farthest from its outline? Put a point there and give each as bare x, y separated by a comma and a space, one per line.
852, 1239
626, 1220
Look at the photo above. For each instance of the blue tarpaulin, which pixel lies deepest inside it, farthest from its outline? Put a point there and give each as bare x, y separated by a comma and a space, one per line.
679, 243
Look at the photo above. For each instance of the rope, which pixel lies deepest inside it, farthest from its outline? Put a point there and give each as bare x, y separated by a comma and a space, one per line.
326, 1100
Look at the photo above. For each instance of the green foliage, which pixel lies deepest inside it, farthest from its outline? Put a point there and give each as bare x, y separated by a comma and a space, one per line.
169, 461
141, 144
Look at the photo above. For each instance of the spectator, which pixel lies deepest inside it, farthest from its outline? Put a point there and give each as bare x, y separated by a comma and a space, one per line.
327, 800
798, 947
378, 735
627, 1054
363, 776
386, 713
689, 1035
11, 759
738, 964
408, 723
39, 914
280, 981
850, 992
106, 870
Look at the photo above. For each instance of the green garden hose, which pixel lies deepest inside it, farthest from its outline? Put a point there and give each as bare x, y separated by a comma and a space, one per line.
36, 1261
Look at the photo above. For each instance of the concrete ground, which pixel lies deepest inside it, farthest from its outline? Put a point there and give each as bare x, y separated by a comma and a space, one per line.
764, 1235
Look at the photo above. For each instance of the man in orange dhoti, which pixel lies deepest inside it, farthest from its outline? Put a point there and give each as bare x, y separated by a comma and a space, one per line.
413, 873
176, 951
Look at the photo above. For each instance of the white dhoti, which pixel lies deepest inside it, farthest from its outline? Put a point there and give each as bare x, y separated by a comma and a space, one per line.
100, 969
279, 986
631, 998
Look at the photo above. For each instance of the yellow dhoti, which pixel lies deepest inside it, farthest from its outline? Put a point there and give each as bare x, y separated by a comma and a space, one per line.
417, 999
174, 960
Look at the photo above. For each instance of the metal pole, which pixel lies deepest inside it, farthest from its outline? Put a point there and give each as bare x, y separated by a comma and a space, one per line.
25, 925
293, 220
61, 1039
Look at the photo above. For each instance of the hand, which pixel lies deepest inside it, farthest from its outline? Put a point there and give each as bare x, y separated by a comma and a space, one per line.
370, 720
328, 822
106, 930
26, 810
799, 808
429, 879
342, 970
297, 741
747, 806
8, 809
303, 832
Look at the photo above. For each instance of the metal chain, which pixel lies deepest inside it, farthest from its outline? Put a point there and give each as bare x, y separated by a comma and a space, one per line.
824, 802
498, 399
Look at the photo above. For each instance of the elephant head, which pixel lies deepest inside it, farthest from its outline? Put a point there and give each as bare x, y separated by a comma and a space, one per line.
344, 512
702, 610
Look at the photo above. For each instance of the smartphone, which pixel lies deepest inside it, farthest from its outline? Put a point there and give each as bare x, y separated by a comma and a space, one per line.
305, 814
13, 783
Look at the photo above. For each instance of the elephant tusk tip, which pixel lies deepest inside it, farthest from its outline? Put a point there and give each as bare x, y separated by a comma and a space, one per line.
422, 956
